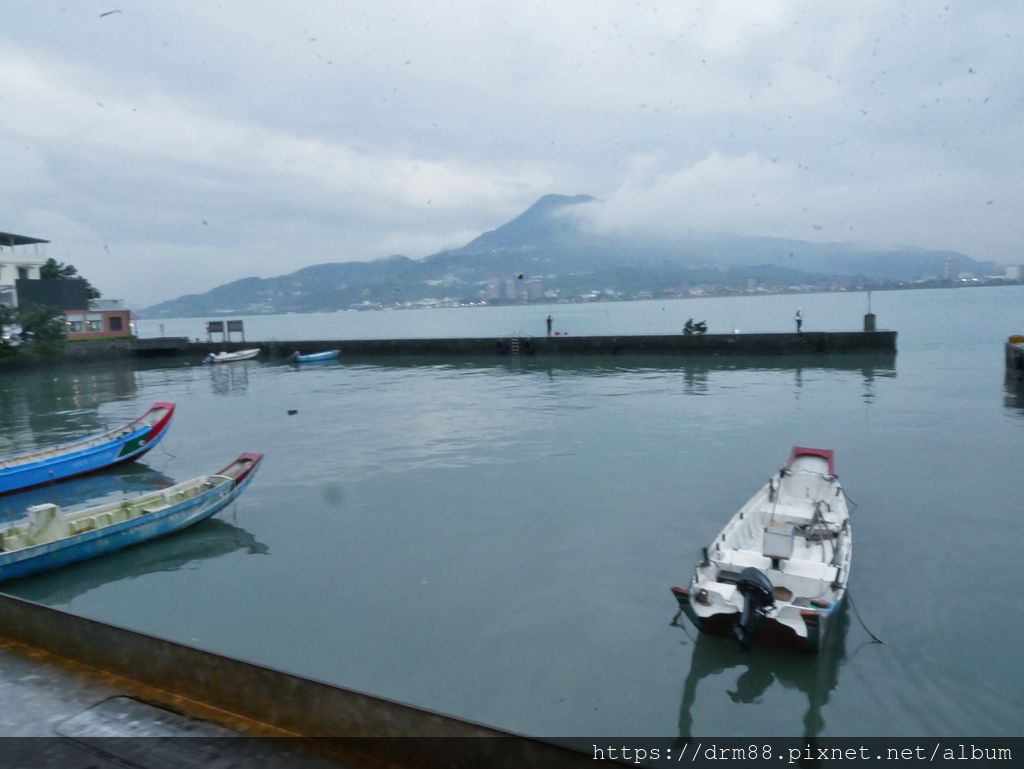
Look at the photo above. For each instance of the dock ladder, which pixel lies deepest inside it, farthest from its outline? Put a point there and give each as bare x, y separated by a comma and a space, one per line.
513, 346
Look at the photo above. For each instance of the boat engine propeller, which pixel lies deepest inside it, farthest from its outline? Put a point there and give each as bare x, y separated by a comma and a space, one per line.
756, 590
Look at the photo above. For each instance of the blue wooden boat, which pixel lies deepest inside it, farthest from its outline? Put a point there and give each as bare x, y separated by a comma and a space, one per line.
113, 484
85, 455
48, 538
314, 357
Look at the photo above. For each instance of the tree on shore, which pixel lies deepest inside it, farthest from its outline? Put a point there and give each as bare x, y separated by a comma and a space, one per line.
54, 270
44, 326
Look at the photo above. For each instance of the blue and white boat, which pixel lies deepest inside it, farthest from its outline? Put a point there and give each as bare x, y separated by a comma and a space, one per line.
314, 357
85, 455
47, 538
778, 570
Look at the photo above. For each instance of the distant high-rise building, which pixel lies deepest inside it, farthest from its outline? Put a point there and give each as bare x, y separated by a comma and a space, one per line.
497, 288
951, 269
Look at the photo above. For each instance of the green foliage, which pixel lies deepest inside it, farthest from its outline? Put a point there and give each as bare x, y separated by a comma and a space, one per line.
7, 319
54, 270
46, 325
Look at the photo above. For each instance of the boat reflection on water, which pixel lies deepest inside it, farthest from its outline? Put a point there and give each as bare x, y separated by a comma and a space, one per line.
111, 484
1013, 396
27, 401
816, 675
212, 538
230, 379
869, 365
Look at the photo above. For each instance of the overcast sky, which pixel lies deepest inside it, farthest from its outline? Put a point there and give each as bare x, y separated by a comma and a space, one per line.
172, 146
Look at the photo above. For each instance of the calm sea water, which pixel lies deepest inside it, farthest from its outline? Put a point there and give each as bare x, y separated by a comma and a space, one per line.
496, 539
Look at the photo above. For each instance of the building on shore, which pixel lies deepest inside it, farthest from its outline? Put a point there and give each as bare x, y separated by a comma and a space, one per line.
951, 269
21, 257
85, 318
103, 319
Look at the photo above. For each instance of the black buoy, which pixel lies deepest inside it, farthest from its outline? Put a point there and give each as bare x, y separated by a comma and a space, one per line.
292, 411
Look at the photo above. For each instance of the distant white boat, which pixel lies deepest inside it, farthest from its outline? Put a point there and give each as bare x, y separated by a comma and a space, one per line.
231, 357
778, 570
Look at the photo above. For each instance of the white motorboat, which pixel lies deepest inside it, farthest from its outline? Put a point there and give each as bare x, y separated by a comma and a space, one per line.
779, 568
231, 357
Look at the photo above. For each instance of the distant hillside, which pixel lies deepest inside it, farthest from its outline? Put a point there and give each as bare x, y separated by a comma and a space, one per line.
546, 255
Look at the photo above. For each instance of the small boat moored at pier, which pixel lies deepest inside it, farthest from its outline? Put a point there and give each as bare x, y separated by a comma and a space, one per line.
86, 455
779, 568
231, 357
315, 357
48, 538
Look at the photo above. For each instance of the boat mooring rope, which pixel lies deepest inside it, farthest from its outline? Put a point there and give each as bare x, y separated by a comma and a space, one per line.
847, 498
874, 638
685, 628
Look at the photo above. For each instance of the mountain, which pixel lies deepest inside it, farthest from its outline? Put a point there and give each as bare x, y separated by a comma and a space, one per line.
548, 253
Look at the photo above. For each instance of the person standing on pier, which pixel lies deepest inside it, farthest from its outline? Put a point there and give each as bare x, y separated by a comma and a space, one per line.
549, 325
799, 320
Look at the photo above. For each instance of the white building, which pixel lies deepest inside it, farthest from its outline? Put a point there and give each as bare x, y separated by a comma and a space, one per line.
951, 269
20, 257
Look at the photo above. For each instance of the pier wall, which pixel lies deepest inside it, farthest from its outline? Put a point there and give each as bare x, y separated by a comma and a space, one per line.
301, 706
1015, 357
809, 343
679, 345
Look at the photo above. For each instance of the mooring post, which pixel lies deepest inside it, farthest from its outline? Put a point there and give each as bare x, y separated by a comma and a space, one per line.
869, 318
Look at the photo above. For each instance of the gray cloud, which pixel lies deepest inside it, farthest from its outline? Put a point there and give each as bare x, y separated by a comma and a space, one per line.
172, 147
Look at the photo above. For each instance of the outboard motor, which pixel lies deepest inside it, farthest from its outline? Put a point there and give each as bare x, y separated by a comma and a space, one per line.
756, 590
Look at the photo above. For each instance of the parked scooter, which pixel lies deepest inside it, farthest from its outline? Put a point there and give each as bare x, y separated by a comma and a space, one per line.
700, 327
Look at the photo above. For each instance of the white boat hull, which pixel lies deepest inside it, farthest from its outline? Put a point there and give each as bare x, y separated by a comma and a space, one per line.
231, 357
795, 533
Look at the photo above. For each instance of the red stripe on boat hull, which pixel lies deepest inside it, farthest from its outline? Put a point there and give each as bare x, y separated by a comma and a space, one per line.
251, 458
148, 441
162, 424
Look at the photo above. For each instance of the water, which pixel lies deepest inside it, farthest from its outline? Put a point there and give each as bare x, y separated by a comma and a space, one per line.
496, 539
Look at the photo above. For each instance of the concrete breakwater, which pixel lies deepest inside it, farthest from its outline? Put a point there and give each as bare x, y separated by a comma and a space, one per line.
74, 652
1015, 357
807, 343
679, 346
